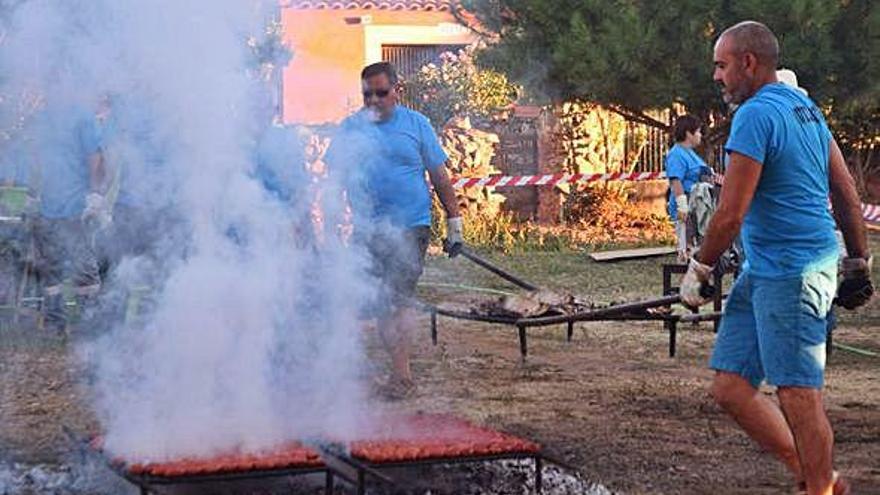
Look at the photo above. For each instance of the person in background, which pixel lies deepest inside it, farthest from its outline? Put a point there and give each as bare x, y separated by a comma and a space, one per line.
73, 204
280, 168
684, 168
15, 204
138, 185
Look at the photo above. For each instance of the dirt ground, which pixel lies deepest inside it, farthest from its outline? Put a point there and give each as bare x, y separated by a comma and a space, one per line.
610, 402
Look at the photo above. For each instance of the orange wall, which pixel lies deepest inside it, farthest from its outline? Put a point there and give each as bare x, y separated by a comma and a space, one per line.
322, 82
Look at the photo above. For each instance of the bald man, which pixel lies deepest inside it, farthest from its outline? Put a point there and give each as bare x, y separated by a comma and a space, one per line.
783, 165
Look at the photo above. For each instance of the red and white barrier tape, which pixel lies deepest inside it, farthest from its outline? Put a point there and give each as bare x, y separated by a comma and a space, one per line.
551, 179
870, 213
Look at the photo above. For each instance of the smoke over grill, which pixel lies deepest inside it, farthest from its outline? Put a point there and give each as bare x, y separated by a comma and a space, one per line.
244, 351
246, 332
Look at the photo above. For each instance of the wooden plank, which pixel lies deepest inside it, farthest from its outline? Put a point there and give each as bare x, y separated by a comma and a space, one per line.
632, 253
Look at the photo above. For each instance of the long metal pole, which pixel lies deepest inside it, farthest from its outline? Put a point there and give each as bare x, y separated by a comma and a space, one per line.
600, 312
467, 253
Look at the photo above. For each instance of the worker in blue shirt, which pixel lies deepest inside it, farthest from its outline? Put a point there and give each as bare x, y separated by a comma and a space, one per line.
784, 164
72, 204
385, 151
280, 167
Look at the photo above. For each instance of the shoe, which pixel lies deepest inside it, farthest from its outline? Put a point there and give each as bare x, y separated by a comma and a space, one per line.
841, 487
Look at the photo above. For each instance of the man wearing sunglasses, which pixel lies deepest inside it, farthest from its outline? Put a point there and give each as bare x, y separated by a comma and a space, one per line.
383, 152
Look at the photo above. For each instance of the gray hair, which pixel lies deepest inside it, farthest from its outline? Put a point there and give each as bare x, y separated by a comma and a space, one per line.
756, 38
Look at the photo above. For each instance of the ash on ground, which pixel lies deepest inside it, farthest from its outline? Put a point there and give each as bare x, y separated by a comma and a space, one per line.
514, 477
81, 478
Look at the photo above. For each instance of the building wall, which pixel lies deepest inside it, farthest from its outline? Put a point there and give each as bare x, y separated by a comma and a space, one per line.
322, 82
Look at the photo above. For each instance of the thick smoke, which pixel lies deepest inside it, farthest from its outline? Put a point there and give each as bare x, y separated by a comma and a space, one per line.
247, 335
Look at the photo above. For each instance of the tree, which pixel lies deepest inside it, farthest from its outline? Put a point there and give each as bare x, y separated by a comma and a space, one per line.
854, 91
456, 87
636, 55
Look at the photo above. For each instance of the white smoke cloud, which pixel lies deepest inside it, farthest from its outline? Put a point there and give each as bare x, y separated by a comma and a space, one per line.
250, 340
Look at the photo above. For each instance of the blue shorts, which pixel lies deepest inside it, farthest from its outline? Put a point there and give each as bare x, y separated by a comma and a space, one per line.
775, 328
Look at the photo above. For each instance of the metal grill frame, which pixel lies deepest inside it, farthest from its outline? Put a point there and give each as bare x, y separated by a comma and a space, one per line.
670, 323
147, 482
539, 458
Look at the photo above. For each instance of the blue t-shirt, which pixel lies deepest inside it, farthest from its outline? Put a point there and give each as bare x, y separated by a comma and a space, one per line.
788, 228
67, 138
385, 163
684, 164
280, 163
133, 148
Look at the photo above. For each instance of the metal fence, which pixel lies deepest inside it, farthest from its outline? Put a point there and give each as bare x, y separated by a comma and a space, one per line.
649, 154
646, 154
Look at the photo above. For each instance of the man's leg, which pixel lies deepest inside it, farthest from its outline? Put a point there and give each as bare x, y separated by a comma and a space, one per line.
395, 332
681, 244
85, 274
406, 270
812, 434
48, 237
792, 321
737, 361
758, 416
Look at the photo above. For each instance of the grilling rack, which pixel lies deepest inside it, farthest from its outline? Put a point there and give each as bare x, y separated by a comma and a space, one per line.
359, 465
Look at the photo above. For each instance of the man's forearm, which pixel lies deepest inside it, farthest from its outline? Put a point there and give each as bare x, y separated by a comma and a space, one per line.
723, 229
741, 179
846, 204
449, 200
848, 213
443, 185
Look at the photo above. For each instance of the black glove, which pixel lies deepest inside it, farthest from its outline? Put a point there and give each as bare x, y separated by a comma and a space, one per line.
452, 249
856, 287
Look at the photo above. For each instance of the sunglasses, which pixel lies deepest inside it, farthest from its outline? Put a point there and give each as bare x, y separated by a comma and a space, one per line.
381, 93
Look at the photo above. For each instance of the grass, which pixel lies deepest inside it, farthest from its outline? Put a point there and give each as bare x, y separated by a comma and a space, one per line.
568, 271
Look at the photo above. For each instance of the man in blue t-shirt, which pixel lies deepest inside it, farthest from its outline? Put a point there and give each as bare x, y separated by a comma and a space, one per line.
72, 190
141, 187
784, 164
382, 154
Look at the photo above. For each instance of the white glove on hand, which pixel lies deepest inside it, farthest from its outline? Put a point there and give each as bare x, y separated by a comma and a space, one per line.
681, 207
454, 234
697, 275
97, 210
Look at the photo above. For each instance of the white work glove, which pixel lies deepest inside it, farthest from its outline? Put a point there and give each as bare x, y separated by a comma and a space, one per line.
696, 277
97, 211
454, 235
681, 207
